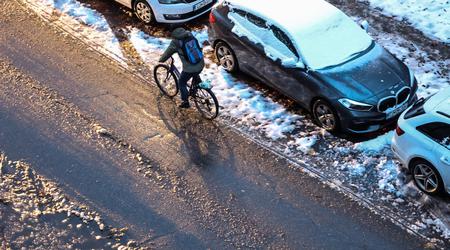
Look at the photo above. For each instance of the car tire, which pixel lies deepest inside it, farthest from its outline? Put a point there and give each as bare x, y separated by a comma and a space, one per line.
226, 57
325, 116
426, 177
143, 11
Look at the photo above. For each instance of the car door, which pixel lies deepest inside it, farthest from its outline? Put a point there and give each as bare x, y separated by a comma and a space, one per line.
285, 70
246, 43
443, 152
260, 47
439, 132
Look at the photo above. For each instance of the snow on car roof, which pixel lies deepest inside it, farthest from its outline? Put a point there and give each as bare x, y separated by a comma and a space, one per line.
323, 35
293, 15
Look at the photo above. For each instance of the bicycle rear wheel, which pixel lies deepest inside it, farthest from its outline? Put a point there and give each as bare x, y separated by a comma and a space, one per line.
166, 80
206, 103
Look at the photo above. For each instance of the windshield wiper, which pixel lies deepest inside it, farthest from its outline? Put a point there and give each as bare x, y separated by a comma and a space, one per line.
352, 56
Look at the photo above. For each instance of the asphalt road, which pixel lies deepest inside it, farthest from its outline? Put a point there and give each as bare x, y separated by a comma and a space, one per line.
202, 185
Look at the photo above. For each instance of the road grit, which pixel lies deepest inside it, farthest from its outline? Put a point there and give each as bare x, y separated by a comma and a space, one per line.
35, 213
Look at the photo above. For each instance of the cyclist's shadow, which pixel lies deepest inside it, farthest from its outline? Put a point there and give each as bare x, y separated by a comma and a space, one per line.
203, 141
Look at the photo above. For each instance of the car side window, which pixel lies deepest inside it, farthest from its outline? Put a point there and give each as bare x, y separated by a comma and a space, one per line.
259, 22
280, 35
438, 131
275, 44
240, 12
256, 20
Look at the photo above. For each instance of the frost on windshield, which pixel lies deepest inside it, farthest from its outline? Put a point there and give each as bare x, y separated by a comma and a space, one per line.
273, 47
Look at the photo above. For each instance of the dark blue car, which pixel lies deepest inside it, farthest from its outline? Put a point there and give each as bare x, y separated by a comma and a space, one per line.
316, 55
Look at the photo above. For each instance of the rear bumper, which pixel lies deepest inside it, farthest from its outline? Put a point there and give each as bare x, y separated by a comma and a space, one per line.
398, 152
179, 13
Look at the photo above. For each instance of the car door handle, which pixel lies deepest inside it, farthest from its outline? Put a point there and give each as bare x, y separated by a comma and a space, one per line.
445, 160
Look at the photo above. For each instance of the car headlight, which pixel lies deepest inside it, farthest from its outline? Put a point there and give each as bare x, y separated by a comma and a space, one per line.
170, 1
354, 105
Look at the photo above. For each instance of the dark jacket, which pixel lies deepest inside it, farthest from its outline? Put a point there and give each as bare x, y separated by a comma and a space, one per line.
174, 47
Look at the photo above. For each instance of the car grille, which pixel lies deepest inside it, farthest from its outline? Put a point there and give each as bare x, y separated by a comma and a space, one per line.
403, 95
393, 101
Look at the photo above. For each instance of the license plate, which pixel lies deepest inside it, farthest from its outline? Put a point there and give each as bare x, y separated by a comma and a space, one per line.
202, 4
397, 111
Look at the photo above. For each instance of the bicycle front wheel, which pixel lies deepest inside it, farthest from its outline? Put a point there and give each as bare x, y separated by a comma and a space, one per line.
166, 80
206, 103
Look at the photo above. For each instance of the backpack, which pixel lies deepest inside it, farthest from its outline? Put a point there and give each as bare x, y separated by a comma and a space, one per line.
191, 50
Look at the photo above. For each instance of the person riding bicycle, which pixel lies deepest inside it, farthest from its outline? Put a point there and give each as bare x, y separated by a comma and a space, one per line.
187, 47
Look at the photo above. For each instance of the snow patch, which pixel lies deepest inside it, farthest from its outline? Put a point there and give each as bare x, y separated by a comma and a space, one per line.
439, 226
432, 17
377, 144
249, 106
387, 174
83, 22
304, 144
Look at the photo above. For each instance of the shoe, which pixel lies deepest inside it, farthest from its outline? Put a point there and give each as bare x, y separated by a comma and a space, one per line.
184, 105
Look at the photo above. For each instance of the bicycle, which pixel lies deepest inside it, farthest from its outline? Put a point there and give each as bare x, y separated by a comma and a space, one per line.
166, 77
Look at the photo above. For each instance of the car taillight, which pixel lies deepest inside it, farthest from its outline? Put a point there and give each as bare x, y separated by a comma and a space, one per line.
399, 131
212, 18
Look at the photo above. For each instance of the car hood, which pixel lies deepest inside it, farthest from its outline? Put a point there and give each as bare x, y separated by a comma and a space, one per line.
372, 75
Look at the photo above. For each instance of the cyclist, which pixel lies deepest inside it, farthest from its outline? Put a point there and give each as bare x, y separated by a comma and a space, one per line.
187, 47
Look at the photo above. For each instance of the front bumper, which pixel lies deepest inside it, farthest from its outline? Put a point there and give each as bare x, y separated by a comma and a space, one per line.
366, 122
179, 13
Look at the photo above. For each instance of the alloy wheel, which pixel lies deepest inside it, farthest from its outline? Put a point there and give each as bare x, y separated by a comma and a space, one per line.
426, 178
144, 12
226, 58
325, 117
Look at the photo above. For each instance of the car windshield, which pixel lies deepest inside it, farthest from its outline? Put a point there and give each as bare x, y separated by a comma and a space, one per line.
332, 41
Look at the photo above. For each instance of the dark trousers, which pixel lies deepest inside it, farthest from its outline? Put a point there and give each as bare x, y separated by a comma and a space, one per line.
182, 83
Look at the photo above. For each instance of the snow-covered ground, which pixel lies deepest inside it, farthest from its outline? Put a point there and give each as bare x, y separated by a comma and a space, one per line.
368, 168
432, 17
83, 22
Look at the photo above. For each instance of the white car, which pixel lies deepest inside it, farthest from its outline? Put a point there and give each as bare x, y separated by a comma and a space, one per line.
422, 142
168, 11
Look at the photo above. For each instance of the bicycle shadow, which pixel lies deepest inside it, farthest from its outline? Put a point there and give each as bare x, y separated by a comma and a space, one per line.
203, 141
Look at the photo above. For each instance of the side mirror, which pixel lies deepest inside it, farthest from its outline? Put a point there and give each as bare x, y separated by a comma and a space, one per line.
364, 25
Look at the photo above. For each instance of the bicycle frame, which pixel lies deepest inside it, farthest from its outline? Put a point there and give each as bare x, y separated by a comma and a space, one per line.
192, 87
174, 68
205, 100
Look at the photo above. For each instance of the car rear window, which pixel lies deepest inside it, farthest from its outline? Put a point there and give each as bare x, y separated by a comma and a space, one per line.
438, 131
